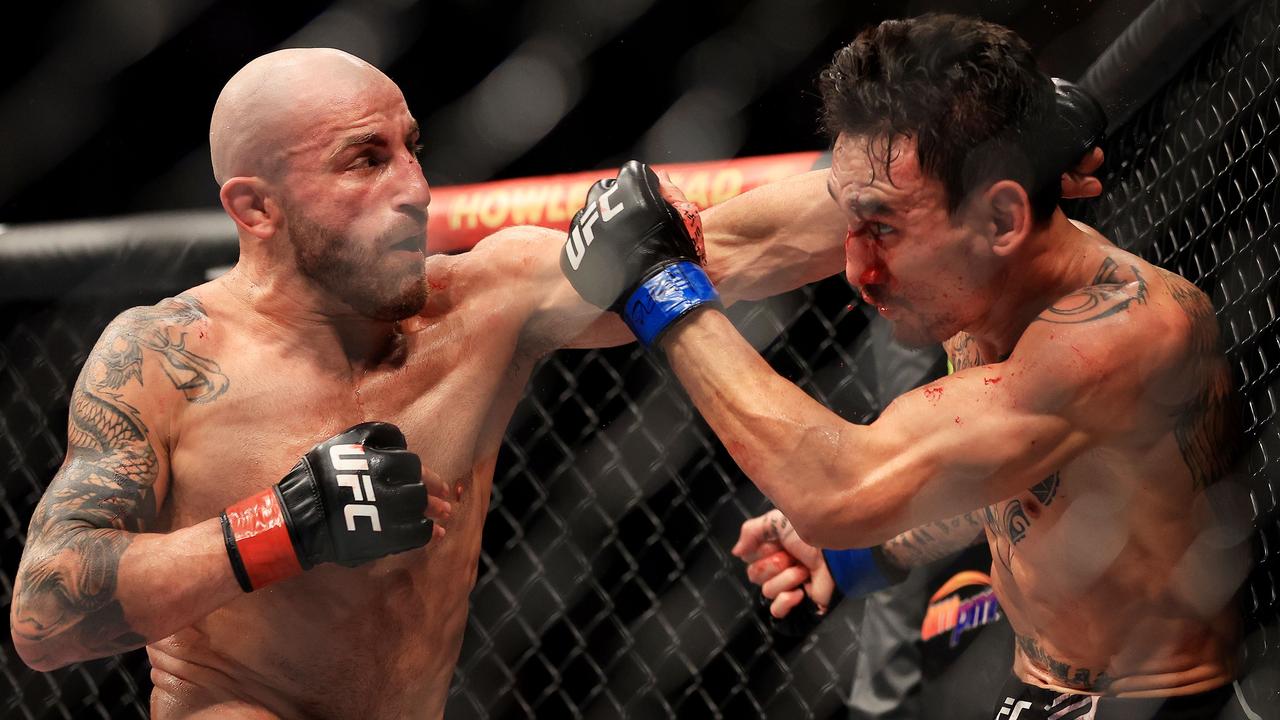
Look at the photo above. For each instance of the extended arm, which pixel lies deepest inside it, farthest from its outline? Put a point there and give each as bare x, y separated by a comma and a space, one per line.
955, 445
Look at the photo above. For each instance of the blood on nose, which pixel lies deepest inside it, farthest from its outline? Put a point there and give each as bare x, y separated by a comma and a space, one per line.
873, 271
874, 274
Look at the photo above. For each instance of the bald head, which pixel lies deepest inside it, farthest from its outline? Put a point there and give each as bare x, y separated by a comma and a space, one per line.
271, 101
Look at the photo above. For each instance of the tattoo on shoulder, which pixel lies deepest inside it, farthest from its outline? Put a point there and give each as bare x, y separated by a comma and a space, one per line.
1110, 292
1207, 427
158, 329
1076, 678
67, 580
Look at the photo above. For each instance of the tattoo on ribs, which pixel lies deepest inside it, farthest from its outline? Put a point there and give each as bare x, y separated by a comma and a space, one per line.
1076, 678
66, 584
1107, 294
1207, 427
1010, 524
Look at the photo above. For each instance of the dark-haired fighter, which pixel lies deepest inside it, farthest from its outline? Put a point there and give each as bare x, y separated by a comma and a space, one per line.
1090, 422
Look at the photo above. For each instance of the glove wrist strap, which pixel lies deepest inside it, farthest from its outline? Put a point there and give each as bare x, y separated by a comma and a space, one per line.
666, 296
862, 571
258, 543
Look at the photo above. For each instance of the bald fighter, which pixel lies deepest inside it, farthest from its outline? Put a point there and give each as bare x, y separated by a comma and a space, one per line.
1084, 434
169, 524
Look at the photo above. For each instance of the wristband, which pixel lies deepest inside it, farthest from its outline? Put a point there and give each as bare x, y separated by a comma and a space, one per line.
862, 571
256, 532
666, 296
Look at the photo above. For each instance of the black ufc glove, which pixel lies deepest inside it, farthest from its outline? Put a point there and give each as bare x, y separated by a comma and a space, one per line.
631, 252
1079, 125
355, 497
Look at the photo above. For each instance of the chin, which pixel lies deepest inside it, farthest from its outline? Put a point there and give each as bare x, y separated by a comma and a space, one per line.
917, 337
406, 304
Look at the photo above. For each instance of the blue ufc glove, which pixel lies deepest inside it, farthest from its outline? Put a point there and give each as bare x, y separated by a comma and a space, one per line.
632, 253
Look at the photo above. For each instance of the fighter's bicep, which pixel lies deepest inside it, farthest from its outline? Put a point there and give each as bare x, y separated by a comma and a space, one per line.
115, 473
551, 315
973, 438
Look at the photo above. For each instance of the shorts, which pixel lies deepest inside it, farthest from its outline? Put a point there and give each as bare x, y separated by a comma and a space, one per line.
1020, 701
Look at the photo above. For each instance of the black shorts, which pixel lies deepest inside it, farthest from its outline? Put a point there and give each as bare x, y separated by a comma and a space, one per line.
1020, 701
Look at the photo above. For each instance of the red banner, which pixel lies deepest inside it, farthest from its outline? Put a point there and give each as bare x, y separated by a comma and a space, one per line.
461, 215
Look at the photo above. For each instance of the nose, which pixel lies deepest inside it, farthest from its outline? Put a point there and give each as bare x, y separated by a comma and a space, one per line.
863, 264
415, 194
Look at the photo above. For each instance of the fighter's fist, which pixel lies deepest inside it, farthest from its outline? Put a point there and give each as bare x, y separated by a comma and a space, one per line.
355, 497
631, 252
1072, 143
786, 568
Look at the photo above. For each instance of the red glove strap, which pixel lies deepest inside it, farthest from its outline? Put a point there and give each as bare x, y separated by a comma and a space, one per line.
262, 538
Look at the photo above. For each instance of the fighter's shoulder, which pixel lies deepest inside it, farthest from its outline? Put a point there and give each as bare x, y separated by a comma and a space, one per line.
118, 363
511, 253
182, 310
1127, 318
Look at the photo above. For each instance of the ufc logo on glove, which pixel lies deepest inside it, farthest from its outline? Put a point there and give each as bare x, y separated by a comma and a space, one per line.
582, 234
351, 457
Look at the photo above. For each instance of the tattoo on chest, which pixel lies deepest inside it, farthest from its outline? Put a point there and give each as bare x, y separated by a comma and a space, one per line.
1076, 678
1109, 292
1207, 427
1011, 522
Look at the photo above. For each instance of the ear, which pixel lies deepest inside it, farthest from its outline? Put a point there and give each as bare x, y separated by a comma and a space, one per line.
247, 201
1010, 215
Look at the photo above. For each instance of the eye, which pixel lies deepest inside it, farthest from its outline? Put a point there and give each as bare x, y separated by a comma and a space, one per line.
365, 161
880, 229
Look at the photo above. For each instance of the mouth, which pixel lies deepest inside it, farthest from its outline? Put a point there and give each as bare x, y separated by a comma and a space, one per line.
416, 242
874, 295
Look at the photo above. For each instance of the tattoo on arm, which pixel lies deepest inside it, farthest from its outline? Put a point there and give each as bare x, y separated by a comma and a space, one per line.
1076, 678
66, 585
934, 541
1208, 425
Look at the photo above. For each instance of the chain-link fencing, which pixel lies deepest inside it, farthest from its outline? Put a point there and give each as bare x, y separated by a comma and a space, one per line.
606, 587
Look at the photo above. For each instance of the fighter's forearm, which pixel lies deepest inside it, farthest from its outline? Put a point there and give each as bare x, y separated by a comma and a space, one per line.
805, 458
84, 592
927, 543
774, 238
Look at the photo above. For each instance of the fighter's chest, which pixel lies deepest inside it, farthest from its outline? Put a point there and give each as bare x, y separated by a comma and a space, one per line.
274, 411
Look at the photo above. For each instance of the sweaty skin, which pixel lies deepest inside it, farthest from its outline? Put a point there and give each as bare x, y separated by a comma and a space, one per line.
1086, 431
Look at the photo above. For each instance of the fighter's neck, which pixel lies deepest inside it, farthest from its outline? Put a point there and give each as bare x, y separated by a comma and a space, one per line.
1054, 261
296, 313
